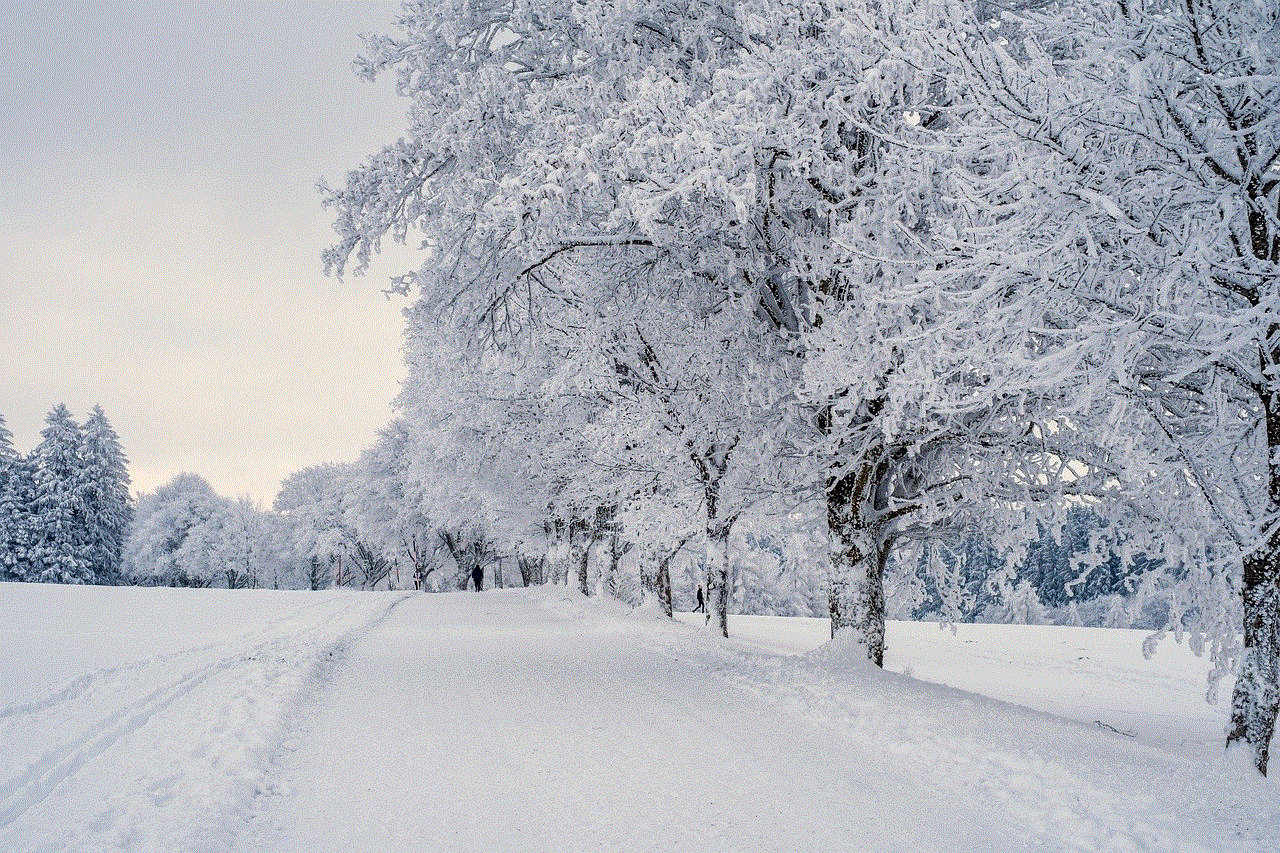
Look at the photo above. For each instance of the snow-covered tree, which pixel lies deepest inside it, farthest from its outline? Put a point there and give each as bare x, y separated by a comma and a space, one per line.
316, 527
174, 534
1137, 151
108, 505
59, 549
15, 504
245, 546
1021, 605
388, 502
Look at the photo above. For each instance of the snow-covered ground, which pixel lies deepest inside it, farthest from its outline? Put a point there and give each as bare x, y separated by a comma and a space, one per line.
205, 720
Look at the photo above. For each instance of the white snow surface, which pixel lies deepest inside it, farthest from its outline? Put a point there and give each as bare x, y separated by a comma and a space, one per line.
536, 720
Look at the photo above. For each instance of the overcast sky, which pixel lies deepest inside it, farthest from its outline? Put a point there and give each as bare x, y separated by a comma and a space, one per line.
160, 233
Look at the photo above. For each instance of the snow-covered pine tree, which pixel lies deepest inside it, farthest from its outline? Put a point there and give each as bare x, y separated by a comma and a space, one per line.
15, 505
7, 453
1023, 606
108, 505
59, 548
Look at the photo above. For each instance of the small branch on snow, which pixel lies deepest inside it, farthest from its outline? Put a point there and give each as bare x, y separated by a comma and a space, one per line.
1114, 729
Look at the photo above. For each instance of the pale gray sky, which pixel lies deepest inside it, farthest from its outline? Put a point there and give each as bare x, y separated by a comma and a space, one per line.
160, 233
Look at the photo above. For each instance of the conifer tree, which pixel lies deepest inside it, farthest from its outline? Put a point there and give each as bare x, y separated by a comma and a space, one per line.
57, 531
108, 508
14, 500
6, 446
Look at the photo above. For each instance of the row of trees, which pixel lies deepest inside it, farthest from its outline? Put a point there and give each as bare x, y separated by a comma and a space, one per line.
65, 508
325, 529
911, 268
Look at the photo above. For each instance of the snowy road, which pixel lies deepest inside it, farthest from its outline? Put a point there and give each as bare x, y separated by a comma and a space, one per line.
215, 721
515, 721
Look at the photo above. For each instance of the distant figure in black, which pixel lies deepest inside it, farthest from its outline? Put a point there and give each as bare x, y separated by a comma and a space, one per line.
417, 578
477, 577
702, 605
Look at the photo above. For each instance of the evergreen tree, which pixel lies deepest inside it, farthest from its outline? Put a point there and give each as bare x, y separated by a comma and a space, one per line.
15, 491
108, 508
58, 548
6, 446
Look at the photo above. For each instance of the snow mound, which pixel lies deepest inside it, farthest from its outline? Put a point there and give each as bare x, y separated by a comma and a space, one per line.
843, 651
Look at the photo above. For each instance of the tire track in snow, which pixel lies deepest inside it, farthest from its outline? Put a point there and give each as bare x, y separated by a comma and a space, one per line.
19, 794
258, 658
80, 685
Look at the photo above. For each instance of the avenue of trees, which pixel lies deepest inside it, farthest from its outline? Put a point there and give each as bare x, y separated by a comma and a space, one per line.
889, 272
869, 308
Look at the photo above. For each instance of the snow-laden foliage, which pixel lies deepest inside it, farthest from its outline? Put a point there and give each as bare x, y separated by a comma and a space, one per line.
690, 177
108, 504
65, 507
930, 267
15, 505
59, 547
316, 529
174, 533
1138, 151
388, 502
186, 534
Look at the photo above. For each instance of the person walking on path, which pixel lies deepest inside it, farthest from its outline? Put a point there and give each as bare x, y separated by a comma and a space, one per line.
702, 604
477, 577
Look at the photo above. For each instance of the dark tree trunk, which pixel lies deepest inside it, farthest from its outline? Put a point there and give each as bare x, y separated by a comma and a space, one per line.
858, 558
315, 576
655, 575
663, 584
1256, 698
606, 522
718, 576
531, 570
711, 466
582, 561
556, 562
610, 580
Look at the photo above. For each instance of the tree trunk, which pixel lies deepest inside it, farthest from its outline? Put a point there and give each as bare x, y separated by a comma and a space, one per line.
655, 575
556, 562
530, 570
718, 577
580, 553
858, 558
663, 583
617, 548
1256, 698
315, 574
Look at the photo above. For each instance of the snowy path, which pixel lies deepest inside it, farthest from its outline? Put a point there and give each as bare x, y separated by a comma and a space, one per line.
514, 721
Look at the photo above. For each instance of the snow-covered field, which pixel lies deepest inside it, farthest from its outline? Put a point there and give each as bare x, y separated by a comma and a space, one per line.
207, 720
